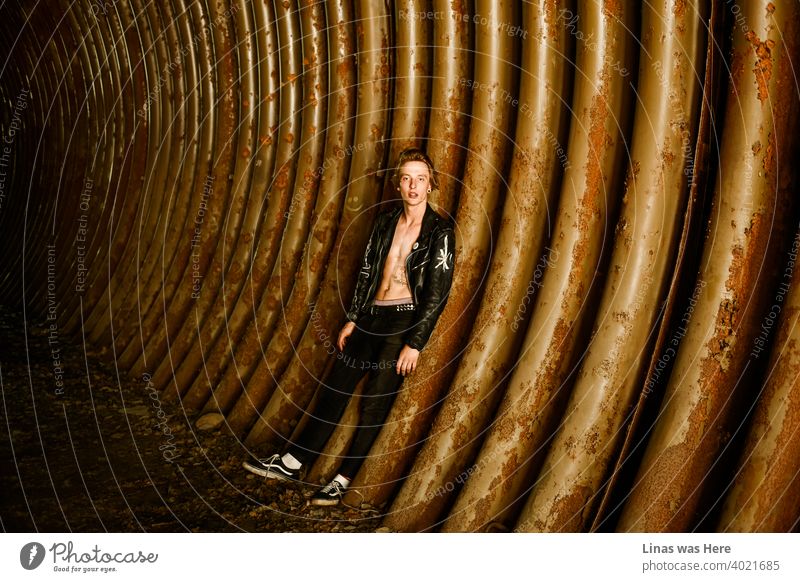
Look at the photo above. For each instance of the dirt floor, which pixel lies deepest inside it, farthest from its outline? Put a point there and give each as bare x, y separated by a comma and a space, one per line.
100, 453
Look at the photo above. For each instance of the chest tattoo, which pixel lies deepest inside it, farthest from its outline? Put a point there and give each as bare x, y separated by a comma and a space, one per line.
399, 275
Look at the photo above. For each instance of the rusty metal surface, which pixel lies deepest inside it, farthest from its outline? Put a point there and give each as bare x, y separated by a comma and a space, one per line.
644, 251
539, 385
99, 192
177, 286
450, 104
154, 201
263, 158
412, 79
255, 347
599, 232
765, 496
276, 415
691, 231
258, 254
733, 284
163, 153
110, 190
120, 256
264, 214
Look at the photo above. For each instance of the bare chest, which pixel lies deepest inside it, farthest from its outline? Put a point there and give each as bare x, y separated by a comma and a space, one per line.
403, 242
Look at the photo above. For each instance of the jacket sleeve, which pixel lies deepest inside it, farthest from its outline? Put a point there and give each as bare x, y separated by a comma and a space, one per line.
364, 275
436, 290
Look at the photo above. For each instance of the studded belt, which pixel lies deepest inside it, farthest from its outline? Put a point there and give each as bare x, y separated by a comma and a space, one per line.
381, 309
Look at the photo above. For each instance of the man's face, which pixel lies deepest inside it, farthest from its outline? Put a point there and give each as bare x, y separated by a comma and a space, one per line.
415, 179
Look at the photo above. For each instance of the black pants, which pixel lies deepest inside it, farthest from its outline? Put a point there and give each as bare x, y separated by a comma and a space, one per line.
372, 348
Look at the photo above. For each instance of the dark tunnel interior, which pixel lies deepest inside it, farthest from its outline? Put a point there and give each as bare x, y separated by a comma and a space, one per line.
187, 189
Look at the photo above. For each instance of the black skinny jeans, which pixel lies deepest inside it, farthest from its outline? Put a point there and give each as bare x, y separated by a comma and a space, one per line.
372, 348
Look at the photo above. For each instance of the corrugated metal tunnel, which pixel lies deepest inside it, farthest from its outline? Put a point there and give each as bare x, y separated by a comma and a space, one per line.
188, 187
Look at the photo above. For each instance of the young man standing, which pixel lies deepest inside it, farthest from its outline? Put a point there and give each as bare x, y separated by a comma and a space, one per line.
401, 290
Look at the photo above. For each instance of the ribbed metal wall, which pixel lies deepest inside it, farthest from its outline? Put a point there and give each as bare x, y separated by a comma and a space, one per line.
190, 185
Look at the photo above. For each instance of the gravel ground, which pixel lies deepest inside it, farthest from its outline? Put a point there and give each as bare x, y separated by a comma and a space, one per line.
100, 453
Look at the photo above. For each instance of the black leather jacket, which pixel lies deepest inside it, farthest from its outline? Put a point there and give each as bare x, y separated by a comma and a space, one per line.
429, 269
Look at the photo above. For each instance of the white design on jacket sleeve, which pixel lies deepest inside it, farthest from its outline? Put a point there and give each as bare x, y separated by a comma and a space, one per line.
444, 257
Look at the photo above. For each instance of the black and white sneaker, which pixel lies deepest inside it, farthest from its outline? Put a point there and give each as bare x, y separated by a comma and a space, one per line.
331, 494
271, 468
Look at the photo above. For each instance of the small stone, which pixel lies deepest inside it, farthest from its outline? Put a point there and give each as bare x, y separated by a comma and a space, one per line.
209, 421
383, 530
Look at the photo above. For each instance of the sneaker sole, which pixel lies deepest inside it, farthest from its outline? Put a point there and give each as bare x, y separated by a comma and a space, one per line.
325, 502
268, 473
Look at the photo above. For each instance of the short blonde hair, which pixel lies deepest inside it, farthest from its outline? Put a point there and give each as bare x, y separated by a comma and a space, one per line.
415, 155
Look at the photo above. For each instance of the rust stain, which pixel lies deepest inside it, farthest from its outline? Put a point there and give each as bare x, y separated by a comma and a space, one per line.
569, 511
763, 68
769, 154
782, 464
679, 11
667, 155
599, 142
660, 492
282, 180
612, 9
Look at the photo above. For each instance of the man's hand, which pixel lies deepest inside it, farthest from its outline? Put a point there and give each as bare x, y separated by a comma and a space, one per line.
344, 334
407, 360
